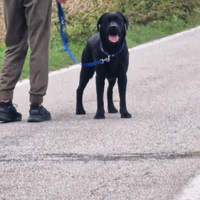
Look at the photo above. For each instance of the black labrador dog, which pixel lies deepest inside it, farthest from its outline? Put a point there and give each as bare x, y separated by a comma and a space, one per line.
110, 48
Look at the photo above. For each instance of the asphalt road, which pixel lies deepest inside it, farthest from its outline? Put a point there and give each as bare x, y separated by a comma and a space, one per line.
152, 156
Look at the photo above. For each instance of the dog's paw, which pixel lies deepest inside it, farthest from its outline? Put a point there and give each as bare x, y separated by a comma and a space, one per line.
80, 111
99, 116
126, 115
112, 109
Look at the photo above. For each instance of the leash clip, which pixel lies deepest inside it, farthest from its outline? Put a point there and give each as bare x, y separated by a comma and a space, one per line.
105, 60
63, 22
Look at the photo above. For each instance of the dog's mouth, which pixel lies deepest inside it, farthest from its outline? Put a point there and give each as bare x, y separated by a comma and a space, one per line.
113, 38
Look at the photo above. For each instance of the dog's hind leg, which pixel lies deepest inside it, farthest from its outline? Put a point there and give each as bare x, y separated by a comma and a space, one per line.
85, 75
111, 107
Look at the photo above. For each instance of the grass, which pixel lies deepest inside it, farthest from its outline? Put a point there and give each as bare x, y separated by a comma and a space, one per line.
58, 58
2, 49
136, 35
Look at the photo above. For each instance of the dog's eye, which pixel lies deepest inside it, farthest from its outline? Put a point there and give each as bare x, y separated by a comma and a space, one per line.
108, 20
116, 19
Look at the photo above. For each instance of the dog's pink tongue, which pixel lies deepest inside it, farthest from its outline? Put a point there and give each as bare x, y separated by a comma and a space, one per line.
113, 38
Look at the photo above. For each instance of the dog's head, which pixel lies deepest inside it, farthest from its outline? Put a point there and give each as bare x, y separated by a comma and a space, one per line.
112, 27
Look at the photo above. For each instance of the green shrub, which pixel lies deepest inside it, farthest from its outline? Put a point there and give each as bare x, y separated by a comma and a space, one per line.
82, 15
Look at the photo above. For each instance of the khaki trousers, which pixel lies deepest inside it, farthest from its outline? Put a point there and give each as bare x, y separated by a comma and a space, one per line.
27, 22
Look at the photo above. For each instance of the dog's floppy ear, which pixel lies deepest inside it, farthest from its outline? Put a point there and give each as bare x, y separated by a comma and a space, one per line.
100, 21
125, 20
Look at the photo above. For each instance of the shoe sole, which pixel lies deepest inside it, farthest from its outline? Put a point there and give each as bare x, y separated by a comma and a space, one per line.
36, 118
5, 118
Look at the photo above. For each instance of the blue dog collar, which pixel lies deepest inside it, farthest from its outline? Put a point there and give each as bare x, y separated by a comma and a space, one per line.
111, 55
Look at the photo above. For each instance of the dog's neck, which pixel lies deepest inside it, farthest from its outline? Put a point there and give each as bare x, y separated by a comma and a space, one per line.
112, 48
111, 54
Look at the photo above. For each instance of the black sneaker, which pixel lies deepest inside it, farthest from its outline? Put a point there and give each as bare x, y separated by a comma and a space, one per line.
8, 112
38, 113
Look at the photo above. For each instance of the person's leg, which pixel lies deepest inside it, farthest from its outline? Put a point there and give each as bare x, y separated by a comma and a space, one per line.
16, 50
38, 16
16, 47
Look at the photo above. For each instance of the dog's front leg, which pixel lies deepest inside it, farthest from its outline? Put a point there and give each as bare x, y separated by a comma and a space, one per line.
122, 82
111, 107
100, 82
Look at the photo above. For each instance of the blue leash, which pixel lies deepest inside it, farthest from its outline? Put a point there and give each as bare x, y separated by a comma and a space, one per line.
63, 35
62, 23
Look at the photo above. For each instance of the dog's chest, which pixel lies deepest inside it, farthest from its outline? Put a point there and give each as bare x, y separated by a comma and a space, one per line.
112, 69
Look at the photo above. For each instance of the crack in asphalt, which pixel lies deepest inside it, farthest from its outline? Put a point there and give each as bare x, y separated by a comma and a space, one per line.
72, 157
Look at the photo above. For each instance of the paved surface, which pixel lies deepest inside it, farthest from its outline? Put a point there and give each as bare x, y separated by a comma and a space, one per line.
152, 156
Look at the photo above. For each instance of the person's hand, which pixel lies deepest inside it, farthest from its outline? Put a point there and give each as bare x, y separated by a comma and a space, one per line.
61, 1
